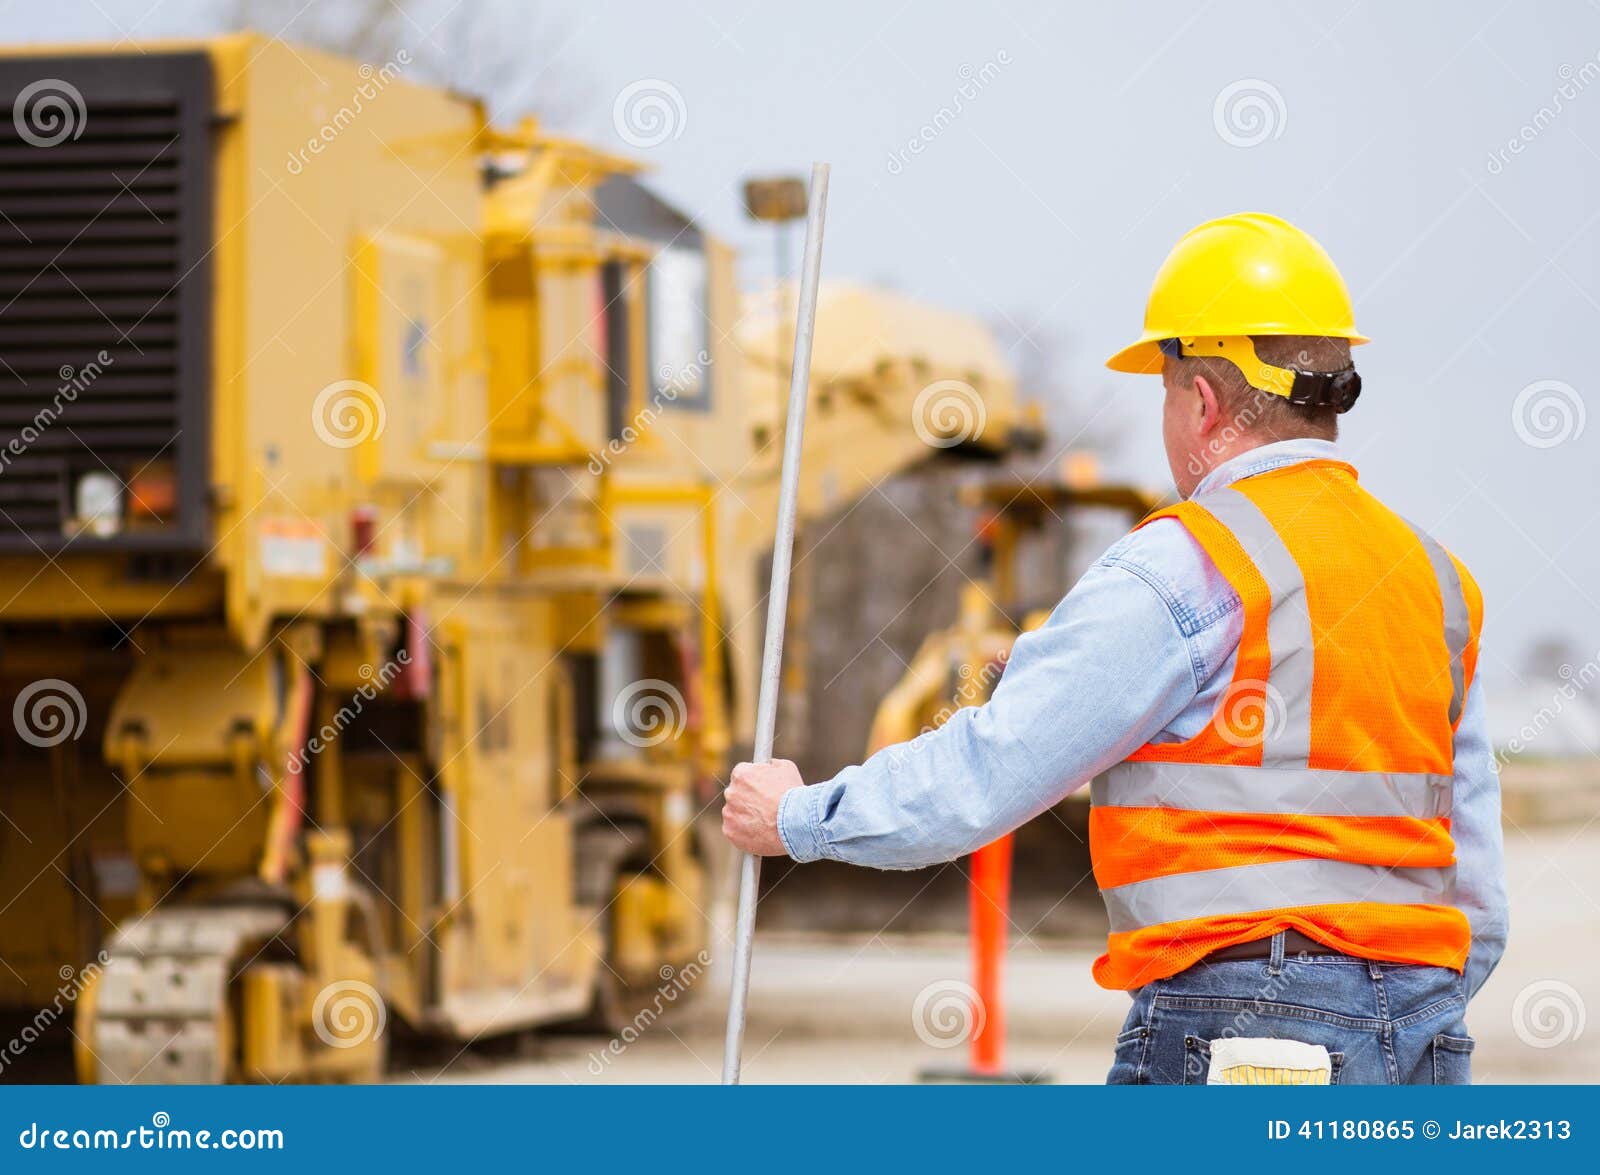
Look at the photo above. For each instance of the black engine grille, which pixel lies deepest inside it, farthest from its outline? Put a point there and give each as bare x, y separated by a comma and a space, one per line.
105, 293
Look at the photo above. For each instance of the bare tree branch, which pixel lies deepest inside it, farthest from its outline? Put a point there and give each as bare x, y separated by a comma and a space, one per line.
510, 54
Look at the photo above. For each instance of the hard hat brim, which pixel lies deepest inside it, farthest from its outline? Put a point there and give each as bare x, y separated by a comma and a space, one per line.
1141, 358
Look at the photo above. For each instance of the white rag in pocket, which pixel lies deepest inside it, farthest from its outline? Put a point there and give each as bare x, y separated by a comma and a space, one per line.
1260, 1060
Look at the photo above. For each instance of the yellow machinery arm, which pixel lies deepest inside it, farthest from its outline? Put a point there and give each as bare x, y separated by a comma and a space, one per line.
960, 665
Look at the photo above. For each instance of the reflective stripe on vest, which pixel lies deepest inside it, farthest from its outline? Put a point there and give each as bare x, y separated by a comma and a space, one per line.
1274, 885
1215, 787
1285, 743
1457, 621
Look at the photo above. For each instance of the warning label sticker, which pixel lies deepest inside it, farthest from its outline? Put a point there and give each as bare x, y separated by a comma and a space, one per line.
293, 548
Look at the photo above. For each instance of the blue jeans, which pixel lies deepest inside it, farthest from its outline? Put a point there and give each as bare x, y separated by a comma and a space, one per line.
1382, 1023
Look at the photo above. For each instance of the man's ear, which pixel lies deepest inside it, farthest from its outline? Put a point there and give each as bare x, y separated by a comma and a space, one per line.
1209, 408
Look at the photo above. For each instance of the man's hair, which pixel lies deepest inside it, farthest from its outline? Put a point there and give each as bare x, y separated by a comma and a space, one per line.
1263, 414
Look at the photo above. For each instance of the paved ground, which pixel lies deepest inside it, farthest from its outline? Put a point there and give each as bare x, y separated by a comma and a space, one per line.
847, 1010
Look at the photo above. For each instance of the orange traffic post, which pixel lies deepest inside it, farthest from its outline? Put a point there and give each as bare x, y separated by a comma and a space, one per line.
989, 901
988, 915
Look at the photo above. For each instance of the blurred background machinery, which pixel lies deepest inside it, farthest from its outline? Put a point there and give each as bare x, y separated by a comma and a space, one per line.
383, 514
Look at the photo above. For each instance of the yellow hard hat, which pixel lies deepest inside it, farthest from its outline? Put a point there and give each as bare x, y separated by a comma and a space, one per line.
1246, 274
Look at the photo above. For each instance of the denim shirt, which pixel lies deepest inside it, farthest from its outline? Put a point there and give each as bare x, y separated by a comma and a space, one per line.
1140, 650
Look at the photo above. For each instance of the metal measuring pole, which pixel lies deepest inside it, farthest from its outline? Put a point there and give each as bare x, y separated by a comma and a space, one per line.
777, 603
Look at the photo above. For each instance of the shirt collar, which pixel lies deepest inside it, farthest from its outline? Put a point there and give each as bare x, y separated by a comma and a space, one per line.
1265, 457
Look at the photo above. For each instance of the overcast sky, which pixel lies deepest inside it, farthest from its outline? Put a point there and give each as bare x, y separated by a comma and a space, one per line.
1087, 138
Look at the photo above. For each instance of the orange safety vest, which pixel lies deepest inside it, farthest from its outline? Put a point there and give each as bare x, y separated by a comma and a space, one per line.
1318, 797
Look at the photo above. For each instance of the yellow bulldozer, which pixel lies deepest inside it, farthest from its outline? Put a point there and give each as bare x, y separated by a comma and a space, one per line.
382, 501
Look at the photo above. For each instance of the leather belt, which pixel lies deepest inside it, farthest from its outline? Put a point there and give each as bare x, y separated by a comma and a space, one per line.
1294, 943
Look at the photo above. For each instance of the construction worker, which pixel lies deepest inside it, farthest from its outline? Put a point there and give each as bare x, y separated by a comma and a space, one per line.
1295, 818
